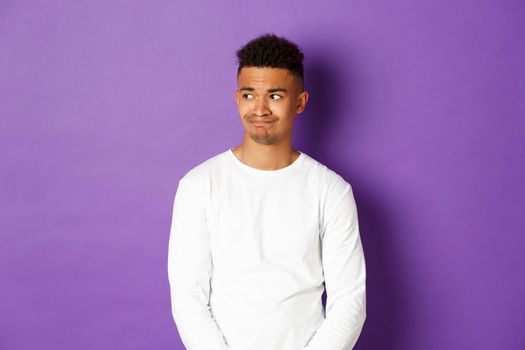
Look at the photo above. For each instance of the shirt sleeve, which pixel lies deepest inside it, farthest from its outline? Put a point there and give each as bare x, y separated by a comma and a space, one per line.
189, 272
345, 275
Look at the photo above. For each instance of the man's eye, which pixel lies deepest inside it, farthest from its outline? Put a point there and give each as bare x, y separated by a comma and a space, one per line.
247, 96
275, 97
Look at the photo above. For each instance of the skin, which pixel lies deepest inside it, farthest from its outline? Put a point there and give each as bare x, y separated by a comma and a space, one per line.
273, 97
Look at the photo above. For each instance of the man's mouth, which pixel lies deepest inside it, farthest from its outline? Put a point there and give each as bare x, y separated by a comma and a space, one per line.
256, 122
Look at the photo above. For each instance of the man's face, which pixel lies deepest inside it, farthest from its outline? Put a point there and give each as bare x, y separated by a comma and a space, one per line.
268, 100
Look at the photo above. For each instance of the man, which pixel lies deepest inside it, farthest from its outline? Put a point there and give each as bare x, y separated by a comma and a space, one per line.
259, 228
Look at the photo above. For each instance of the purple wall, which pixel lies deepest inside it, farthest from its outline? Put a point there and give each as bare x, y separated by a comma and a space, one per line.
105, 105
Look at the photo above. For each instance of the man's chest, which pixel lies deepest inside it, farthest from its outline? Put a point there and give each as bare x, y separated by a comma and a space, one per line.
250, 223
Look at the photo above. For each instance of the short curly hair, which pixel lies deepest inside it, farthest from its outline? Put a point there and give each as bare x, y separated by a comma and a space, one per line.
269, 50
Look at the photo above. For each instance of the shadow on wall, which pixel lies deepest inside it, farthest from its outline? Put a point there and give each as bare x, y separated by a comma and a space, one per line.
328, 81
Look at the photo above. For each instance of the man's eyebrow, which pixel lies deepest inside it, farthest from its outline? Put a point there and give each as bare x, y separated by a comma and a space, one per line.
247, 88
277, 89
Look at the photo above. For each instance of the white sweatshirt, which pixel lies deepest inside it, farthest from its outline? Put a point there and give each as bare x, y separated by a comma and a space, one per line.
249, 250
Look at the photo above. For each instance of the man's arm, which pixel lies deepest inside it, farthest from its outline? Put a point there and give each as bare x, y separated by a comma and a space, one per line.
345, 275
189, 272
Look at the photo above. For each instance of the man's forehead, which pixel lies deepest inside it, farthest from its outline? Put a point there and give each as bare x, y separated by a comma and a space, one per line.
252, 76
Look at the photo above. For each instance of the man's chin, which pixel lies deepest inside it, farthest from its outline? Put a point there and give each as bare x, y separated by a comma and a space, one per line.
263, 140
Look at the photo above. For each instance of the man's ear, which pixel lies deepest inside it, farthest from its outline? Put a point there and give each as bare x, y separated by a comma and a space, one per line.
301, 101
237, 96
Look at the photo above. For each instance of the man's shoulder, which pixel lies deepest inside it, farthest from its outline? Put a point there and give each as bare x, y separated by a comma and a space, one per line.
332, 179
204, 169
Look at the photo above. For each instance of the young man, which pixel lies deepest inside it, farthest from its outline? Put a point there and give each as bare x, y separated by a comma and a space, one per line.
259, 230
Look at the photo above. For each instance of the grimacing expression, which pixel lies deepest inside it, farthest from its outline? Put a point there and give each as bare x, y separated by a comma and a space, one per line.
268, 100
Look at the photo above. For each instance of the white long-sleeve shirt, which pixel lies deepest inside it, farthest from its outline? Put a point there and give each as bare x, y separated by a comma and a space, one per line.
249, 250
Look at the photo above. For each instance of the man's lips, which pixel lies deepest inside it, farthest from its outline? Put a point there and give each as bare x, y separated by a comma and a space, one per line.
260, 122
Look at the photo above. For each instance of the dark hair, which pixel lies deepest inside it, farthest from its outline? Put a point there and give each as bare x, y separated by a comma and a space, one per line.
269, 50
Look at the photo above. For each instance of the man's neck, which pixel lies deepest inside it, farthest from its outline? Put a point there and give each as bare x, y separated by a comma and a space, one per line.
265, 157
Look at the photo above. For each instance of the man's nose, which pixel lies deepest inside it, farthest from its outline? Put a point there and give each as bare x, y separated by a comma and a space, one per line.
260, 107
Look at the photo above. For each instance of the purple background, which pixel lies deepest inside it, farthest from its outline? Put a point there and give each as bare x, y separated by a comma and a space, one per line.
105, 105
